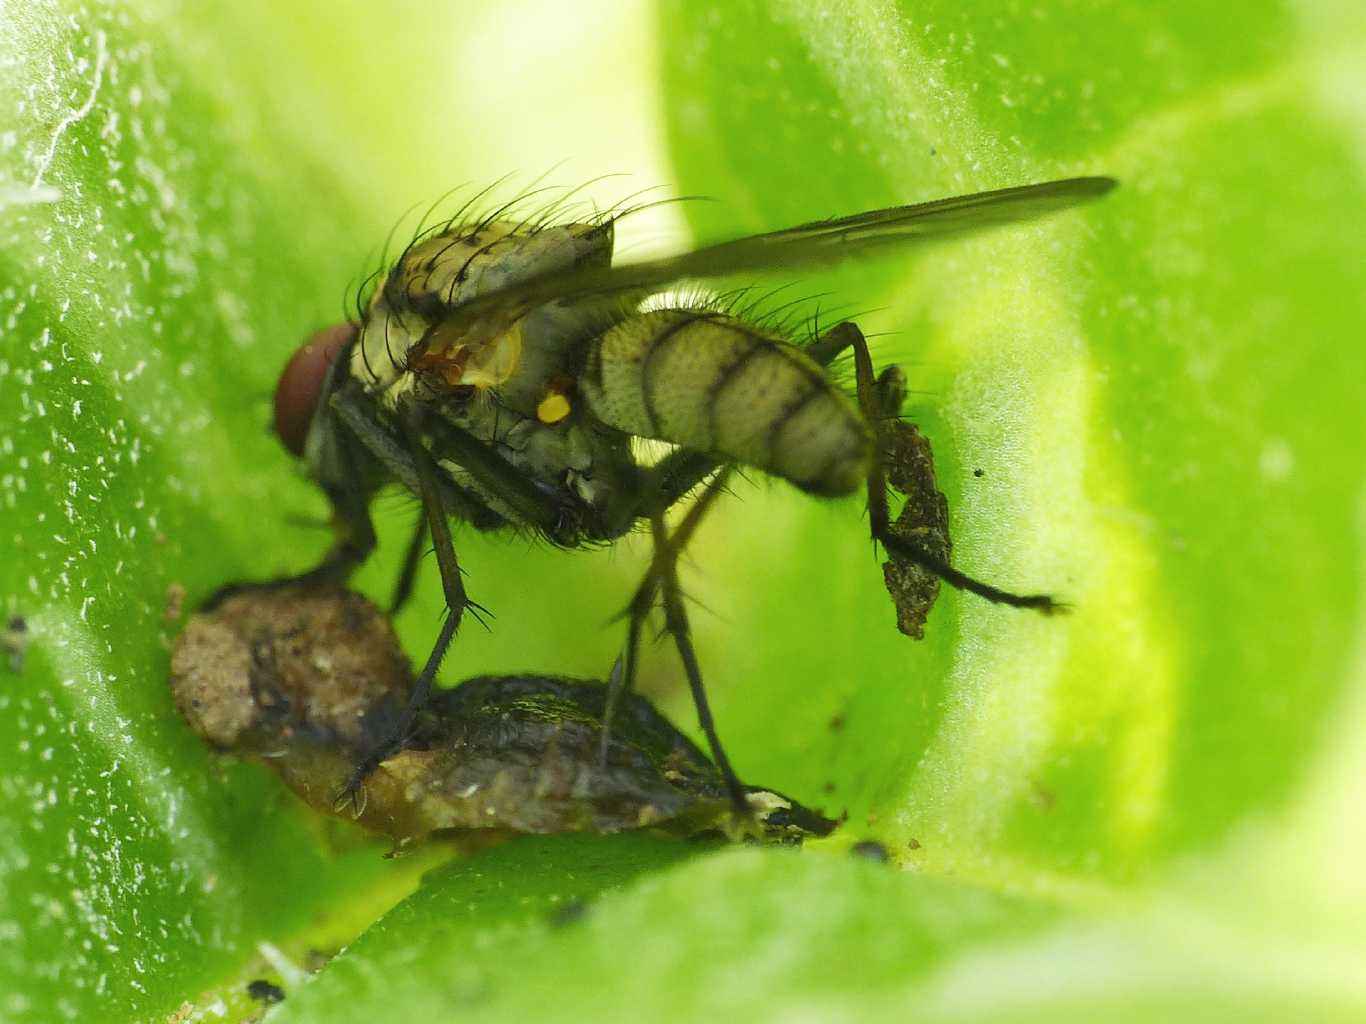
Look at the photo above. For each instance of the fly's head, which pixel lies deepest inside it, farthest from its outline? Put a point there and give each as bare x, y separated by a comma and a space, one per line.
304, 382
406, 344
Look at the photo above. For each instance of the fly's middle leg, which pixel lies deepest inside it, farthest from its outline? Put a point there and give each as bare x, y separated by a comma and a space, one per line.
661, 583
647, 593
354, 541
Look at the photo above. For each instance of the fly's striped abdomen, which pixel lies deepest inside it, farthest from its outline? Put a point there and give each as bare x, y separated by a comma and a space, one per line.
706, 380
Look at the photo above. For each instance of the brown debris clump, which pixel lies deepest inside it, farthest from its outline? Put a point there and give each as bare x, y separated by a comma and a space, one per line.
924, 518
307, 677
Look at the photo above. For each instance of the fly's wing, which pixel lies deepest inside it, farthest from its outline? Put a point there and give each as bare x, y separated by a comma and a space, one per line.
822, 241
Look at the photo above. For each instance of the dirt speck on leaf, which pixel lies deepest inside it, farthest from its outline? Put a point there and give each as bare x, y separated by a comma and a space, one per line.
14, 642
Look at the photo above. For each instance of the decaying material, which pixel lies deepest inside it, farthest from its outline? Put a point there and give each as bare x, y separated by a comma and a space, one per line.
304, 677
924, 520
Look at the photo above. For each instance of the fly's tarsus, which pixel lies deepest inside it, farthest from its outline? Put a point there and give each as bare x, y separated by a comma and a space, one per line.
916, 553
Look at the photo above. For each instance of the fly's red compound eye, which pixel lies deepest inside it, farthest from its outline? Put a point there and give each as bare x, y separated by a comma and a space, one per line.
301, 383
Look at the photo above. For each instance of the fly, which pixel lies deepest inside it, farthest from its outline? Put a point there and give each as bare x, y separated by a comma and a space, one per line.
501, 369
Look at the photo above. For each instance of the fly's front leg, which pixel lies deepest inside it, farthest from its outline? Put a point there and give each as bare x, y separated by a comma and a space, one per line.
356, 411
437, 519
875, 396
353, 533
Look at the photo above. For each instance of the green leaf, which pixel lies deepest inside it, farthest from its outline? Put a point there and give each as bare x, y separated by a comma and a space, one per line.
769, 935
1147, 808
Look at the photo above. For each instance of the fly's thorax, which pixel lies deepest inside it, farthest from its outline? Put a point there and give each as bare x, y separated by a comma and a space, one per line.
553, 342
706, 380
408, 328
446, 269
305, 384
380, 356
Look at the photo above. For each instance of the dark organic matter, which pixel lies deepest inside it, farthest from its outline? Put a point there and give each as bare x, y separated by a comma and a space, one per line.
924, 519
304, 677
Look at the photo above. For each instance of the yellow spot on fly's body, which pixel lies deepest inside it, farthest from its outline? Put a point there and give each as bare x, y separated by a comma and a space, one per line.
554, 407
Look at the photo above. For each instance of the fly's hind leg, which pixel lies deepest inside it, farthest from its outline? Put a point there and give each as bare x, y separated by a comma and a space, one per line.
661, 582
875, 402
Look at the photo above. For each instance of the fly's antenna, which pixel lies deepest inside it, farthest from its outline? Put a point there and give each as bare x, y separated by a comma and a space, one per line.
534, 188
389, 238
531, 218
554, 210
459, 214
622, 207
422, 230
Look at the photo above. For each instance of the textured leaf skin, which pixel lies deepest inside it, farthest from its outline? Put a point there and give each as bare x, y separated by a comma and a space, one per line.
1148, 809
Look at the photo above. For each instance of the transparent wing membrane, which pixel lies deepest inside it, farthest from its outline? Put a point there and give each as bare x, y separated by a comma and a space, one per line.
823, 241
